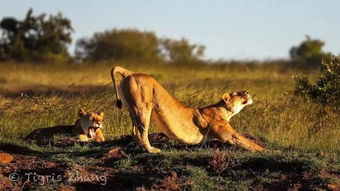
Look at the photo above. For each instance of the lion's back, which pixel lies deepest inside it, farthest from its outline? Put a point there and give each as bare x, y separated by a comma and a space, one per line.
49, 132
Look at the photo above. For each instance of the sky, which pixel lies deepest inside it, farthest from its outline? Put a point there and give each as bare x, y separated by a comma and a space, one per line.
239, 29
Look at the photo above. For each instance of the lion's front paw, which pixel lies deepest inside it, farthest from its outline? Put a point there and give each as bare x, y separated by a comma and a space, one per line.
83, 138
154, 150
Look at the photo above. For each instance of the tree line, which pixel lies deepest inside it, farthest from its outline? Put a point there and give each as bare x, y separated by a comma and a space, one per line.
45, 38
39, 38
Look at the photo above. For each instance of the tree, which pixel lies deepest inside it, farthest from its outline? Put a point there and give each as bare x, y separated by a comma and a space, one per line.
181, 51
118, 44
309, 53
131, 43
35, 37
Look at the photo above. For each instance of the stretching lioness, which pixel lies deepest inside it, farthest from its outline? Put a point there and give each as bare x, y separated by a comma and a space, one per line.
86, 128
145, 98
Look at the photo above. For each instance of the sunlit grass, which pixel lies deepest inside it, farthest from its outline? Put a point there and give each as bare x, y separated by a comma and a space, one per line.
35, 96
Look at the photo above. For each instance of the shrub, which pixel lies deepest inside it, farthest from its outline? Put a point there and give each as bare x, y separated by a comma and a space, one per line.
326, 89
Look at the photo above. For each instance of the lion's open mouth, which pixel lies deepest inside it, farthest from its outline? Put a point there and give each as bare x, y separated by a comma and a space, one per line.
92, 132
247, 99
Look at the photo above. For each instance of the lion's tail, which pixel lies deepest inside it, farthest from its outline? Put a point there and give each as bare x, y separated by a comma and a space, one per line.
125, 73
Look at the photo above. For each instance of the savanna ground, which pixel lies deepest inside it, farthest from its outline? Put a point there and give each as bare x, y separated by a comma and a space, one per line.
302, 138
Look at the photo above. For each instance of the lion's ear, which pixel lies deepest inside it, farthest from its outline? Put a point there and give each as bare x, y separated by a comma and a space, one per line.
226, 98
81, 112
101, 114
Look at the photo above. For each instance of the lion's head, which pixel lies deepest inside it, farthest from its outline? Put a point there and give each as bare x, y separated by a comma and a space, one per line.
236, 101
90, 122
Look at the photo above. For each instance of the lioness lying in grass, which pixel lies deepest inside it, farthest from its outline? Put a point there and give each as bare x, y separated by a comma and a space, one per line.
87, 128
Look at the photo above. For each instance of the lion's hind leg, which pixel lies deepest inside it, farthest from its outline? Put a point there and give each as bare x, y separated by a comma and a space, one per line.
141, 123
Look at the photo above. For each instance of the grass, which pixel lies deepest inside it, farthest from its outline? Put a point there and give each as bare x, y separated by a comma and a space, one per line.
34, 96
295, 131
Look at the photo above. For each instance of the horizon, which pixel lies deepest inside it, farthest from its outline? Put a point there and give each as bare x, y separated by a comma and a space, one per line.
242, 30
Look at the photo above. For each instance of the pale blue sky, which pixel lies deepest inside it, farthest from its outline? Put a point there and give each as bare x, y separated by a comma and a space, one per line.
236, 29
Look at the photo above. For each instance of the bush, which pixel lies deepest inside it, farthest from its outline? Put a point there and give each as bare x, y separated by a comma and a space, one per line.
326, 90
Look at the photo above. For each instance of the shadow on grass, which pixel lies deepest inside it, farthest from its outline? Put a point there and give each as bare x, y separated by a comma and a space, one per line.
18, 149
272, 164
44, 152
48, 91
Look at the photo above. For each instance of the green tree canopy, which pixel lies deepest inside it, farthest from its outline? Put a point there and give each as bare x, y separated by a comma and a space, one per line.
309, 53
118, 44
132, 43
35, 37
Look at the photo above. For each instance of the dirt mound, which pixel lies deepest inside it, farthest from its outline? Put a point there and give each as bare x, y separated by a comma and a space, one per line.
6, 183
113, 155
169, 183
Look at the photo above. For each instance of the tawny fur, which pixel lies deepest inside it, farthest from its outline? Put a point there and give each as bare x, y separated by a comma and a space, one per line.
147, 100
80, 129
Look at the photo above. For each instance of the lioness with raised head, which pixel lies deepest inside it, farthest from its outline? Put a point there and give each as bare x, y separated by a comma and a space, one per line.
87, 128
145, 98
